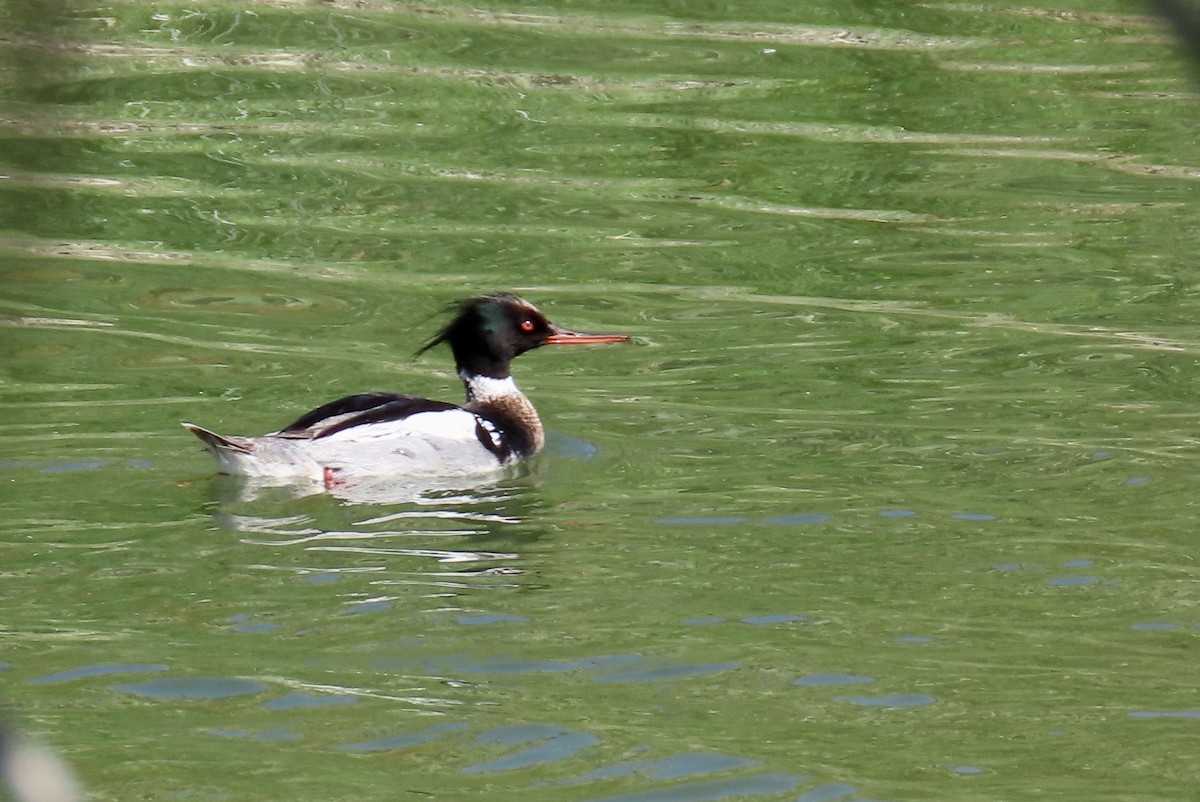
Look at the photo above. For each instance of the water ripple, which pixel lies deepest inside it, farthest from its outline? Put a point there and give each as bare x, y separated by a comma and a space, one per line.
194, 688
713, 790
668, 768
97, 670
549, 744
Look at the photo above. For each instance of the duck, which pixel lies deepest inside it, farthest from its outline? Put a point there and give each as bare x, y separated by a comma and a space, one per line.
394, 434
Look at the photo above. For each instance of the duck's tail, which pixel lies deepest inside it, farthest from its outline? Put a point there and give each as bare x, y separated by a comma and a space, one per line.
216, 443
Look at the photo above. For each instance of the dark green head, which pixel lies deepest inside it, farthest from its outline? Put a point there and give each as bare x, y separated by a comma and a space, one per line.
488, 331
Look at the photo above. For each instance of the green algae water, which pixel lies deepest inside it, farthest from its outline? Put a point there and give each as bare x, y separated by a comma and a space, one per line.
891, 498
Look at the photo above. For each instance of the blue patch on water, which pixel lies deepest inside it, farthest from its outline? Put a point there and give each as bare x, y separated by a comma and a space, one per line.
1154, 626
704, 520
1006, 567
402, 741
713, 790
893, 701
1072, 581
140, 464
484, 619
1138, 480
973, 516
675, 767
197, 688
517, 734
550, 744
803, 518
827, 792
1078, 563
321, 579
897, 513
261, 626
778, 618
366, 607
560, 445
967, 771
817, 680
1189, 714
668, 672
246, 623
75, 465
301, 701
97, 670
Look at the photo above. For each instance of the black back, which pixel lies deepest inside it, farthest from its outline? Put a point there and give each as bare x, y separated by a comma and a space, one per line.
355, 410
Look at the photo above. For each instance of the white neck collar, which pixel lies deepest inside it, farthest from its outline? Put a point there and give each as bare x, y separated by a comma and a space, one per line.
485, 388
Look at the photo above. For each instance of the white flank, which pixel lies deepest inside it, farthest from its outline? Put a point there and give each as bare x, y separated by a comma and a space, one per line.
428, 444
435, 443
447, 424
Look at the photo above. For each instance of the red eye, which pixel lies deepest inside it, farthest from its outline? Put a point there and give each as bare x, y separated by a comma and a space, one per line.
527, 325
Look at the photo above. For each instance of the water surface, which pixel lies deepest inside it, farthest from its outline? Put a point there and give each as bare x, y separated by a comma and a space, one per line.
889, 499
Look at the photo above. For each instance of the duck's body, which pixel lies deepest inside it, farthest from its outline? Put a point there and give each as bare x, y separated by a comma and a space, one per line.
390, 434
387, 433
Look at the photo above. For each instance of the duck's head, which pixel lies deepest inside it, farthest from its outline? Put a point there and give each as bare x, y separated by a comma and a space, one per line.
488, 331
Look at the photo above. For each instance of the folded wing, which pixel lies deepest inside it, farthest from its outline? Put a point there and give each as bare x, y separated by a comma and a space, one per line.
357, 410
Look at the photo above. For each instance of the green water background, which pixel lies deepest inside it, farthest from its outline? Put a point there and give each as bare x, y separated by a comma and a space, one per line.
892, 497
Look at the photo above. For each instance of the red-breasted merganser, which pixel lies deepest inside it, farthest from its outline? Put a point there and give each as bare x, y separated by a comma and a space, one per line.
392, 434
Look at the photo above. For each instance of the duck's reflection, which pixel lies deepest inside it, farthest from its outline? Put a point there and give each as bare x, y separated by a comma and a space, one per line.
370, 489
467, 530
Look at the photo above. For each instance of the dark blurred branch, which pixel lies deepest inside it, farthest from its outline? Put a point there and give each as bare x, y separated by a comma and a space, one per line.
1185, 19
37, 46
